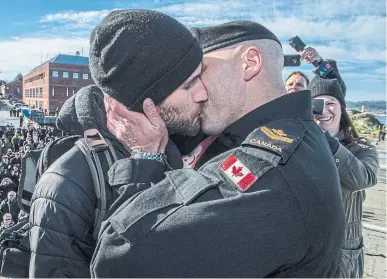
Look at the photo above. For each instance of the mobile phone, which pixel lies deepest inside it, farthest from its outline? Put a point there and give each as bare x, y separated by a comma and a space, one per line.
297, 44
318, 106
292, 60
323, 69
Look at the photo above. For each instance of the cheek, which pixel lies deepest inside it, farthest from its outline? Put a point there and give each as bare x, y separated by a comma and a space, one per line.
337, 114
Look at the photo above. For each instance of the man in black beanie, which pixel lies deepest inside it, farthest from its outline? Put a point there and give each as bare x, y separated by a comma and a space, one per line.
139, 54
255, 202
134, 54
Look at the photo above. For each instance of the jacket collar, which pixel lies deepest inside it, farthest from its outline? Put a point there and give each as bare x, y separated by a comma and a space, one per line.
295, 105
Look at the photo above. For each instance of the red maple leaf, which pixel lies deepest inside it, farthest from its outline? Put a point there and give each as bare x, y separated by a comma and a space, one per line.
237, 171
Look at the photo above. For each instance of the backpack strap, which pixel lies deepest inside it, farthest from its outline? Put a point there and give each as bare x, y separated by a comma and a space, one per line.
100, 156
45, 159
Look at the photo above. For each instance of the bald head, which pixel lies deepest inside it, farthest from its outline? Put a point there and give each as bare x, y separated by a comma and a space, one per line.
240, 78
243, 63
272, 60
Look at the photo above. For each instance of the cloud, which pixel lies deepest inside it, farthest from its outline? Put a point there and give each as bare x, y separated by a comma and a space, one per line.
381, 71
353, 32
76, 17
28, 53
348, 30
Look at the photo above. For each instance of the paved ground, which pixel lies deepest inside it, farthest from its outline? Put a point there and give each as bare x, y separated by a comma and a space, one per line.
374, 220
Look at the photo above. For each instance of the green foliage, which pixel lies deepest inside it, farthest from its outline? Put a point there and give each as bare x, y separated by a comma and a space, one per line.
361, 124
18, 77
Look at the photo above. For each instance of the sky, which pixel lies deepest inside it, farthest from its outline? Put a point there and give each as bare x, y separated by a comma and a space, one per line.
352, 32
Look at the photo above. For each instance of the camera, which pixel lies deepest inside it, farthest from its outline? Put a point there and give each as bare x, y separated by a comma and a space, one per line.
323, 68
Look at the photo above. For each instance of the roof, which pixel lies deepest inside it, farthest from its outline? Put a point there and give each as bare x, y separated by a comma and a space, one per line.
70, 59
67, 59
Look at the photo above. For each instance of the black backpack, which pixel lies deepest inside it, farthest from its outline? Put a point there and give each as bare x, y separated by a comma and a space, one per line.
100, 156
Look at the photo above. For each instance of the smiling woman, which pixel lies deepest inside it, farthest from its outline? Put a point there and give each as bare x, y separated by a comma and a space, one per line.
357, 162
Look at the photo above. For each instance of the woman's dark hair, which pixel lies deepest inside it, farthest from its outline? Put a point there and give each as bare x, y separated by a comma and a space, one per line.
299, 74
346, 125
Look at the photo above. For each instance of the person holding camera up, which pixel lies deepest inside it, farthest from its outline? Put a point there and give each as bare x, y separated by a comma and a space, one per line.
298, 81
357, 162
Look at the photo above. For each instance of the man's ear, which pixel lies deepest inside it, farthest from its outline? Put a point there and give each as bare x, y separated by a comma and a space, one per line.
252, 63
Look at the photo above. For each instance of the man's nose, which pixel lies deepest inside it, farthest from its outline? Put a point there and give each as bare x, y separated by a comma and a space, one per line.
201, 94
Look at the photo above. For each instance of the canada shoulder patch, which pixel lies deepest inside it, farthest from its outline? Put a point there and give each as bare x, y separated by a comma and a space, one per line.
238, 173
281, 137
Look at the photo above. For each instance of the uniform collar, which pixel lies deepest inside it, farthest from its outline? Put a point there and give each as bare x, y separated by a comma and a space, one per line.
294, 105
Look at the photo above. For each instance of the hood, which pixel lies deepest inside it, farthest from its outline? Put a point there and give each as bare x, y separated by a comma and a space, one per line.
86, 110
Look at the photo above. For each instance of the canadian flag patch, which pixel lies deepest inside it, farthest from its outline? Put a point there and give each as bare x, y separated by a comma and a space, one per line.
238, 172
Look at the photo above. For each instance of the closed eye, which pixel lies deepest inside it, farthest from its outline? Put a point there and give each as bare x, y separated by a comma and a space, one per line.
191, 83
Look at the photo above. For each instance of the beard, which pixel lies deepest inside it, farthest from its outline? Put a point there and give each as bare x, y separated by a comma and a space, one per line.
178, 121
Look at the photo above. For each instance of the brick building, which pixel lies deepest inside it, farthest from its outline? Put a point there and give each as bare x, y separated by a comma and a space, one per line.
12, 89
49, 85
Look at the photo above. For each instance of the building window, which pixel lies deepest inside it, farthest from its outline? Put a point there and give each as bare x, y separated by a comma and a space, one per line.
67, 91
41, 92
65, 74
33, 93
53, 91
55, 74
85, 76
26, 93
75, 75
73, 91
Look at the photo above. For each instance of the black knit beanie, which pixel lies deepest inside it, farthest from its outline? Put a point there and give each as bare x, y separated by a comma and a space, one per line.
230, 33
139, 54
331, 87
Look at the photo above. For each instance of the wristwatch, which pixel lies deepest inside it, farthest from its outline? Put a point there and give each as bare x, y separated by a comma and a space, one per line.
160, 157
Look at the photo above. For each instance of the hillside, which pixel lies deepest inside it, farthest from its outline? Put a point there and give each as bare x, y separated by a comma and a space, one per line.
374, 106
364, 121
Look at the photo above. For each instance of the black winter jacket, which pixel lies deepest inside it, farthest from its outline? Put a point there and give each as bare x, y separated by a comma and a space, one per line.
63, 206
64, 202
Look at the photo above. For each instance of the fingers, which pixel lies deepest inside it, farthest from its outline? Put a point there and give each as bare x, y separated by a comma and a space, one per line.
121, 132
113, 105
111, 128
116, 112
152, 114
308, 54
106, 103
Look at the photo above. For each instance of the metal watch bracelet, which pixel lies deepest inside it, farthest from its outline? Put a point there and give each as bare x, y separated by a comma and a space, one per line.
160, 157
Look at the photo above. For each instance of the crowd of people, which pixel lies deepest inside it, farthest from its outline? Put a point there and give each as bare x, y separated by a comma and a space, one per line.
213, 165
17, 112
15, 142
